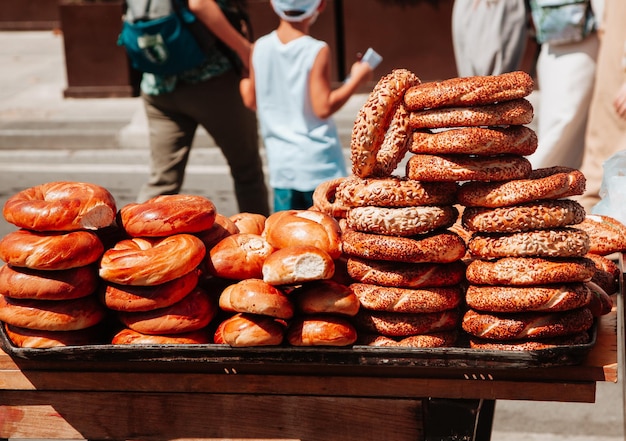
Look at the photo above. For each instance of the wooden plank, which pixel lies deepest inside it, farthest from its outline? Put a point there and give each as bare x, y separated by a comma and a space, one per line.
148, 416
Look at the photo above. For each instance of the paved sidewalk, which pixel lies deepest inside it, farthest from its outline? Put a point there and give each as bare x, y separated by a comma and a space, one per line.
34, 116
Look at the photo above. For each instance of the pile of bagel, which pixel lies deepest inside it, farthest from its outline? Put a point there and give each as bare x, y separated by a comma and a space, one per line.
531, 279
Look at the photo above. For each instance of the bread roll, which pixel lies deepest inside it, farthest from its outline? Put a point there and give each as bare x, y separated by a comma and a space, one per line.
304, 227
321, 330
239, 256
129, 337
298, 264
252, 223
246, 330
325, 297
222, 228
255, 296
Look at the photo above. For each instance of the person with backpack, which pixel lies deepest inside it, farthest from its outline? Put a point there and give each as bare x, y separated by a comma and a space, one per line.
206, 95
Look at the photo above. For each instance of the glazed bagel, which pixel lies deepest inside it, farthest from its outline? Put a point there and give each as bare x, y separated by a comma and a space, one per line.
325, 297
560, 297
50, 250
394, 145
606, 234
396, 324
515, 113
394, 192
526, 271
221, 228
433, 340
514, 140
321, 330
469, 91
401, 221
129, 337
554, 242
324, 199
239, 256
526, 325
61, 206
544, 183
195, 311
146, 298
255, 296
303, 227
151, 261
34, 338
25, 283
166, 215
406, 300
374, 117
52, 315
537, 215
407, 275
248, 330
467, 168
439, 247
252, 223
530, 345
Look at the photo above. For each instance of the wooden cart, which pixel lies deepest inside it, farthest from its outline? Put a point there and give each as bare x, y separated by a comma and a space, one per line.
281, 395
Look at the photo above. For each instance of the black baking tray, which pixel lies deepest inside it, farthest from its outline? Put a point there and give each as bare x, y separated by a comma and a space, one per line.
310, 358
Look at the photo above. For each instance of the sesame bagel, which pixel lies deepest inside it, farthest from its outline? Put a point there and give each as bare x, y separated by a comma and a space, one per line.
401, 221
525, 271
441, 247
523, 217
432, 340
560, 297
467, 168
390, 299
396, 324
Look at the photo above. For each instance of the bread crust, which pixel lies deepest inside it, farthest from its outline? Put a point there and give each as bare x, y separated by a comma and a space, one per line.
515, 140
321, 330
255, 296
34, 338
61, 206
325, 297
130, 337
544, 183
373, 119
252, 223
431, 340
457, 168
50, 250
249, 330
512, 299
221, 229
239, 256
407, 300
527, 325
536, 215
407, 275
526, 271
516, 112
166, 215
394, 191
530, 345
469, 91
439, 247
553, 242
401, 221
25, 283
395, 143
151, 261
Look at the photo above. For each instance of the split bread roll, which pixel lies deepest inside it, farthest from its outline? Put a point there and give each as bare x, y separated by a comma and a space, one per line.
61, 206
166, 215
298, 264
325, 297
50, 250
195, 311
249, 330
304, 227
254, 296
321, 330
239, 256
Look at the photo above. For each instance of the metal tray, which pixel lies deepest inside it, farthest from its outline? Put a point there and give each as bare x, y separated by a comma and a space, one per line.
309, 358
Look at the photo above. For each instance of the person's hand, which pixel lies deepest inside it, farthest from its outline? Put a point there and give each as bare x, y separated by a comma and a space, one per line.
619, 102
361, 71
